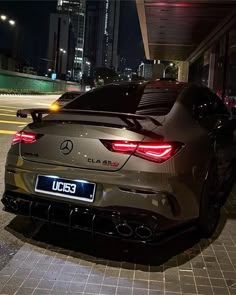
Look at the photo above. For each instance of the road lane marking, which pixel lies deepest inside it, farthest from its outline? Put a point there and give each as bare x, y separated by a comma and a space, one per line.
7, 131
43, 104
12, 122
7, 115
11, 107
6, 110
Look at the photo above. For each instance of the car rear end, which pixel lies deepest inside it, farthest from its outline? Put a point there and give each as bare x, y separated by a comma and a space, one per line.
104, 171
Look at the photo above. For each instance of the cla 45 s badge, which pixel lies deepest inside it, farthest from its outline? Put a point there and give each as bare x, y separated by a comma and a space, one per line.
103, 162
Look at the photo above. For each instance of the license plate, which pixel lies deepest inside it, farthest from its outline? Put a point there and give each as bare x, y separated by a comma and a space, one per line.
73, 189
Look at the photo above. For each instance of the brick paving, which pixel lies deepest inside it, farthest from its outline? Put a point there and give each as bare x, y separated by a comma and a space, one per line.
52, 262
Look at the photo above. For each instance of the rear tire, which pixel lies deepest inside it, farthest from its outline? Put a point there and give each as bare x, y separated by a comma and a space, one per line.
230, 177
209, 213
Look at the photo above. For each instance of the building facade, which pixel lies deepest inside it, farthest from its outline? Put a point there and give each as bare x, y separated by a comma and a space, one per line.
215, 67
102, 33
61, 45
145, 70
203, 40
75, 9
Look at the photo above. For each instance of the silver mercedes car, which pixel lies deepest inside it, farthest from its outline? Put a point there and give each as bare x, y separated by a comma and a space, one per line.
132, 160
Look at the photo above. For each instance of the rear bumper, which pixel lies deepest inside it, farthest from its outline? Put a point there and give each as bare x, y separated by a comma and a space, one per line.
163, 194
126, 223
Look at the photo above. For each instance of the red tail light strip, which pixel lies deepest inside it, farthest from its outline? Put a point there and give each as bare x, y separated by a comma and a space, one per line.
157, 152
24, 137
124, 147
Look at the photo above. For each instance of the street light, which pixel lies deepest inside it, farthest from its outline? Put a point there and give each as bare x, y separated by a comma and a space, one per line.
3, 17
62, 51
12, 22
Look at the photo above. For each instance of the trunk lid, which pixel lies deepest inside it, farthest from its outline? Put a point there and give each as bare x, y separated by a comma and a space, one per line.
78, 144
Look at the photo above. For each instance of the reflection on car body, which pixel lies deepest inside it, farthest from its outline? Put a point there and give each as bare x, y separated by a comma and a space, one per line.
64, 99
141, 159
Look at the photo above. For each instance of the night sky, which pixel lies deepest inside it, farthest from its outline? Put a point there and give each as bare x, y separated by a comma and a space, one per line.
32, 19
131, 44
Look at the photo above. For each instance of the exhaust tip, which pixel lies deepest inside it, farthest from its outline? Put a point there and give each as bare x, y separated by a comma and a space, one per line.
124, 230
143, 232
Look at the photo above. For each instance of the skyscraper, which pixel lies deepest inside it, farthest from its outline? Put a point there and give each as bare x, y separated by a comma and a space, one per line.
61, 45
102, 32
76, 10
111, 30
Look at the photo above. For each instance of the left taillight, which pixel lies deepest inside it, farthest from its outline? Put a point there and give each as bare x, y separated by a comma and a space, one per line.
153, 151
24, 137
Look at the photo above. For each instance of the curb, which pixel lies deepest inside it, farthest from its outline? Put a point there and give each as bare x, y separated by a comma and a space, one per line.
27, 94
10, 94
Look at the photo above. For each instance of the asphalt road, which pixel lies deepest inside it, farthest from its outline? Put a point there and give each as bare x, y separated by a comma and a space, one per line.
9, 123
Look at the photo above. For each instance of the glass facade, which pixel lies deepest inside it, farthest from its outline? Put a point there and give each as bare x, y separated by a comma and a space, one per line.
216, 68
230, 89
76, 10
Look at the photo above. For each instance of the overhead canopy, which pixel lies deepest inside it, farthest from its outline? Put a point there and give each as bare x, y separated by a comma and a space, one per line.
172, 30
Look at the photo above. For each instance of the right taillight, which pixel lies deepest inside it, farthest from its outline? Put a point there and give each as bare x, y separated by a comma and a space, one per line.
25, 137
152, 151
155, 152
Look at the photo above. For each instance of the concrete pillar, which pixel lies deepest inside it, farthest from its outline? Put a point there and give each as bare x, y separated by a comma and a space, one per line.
183, 71
211, 72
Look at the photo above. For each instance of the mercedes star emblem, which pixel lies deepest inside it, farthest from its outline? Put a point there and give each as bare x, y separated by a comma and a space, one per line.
66, 147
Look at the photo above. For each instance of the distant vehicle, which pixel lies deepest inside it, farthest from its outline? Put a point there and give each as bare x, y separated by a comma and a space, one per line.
64, 99
128, 160
168, 79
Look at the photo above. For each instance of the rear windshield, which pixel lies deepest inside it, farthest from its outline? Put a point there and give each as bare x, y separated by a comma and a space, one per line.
137, 99
69, 95
157, 100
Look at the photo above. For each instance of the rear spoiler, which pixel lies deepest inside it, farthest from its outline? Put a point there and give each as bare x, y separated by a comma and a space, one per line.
131, 120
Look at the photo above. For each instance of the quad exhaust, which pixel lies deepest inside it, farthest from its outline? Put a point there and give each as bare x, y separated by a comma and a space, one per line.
124, 229
143, 232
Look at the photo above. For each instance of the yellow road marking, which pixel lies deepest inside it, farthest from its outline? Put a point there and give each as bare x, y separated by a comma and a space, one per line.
13, 122
7, 115
7, 132
6, 110
11, 107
